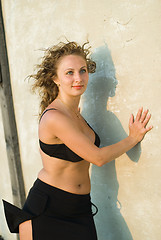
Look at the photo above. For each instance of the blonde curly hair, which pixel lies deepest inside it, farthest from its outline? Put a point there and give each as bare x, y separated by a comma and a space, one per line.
47, 70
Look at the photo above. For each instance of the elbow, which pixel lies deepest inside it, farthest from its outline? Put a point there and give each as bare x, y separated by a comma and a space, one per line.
101, 159
99, 162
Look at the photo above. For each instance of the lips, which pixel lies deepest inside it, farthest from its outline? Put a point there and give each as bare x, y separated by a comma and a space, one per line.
78, 86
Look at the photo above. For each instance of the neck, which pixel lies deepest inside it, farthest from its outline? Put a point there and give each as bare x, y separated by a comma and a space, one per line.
70, 102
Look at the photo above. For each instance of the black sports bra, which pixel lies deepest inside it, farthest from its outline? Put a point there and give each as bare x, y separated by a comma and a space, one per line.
61, 150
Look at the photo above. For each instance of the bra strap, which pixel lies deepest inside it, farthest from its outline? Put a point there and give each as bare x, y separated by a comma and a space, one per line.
46, 111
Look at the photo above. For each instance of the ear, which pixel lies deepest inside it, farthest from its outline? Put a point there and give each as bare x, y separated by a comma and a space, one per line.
55, 80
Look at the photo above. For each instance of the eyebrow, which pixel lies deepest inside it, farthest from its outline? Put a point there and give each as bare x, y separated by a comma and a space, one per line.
73, 68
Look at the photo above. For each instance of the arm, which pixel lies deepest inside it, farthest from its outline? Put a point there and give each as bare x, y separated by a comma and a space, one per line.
63, 128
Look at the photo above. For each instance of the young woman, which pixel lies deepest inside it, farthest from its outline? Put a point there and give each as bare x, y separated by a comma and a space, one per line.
58, 206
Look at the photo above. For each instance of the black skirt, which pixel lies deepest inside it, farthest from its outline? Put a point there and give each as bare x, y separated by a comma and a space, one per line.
55, 214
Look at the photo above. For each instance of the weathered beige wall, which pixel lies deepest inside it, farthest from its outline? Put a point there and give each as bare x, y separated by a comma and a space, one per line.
127, 191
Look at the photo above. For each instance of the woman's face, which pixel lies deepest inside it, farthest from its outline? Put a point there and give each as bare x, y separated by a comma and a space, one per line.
72, 75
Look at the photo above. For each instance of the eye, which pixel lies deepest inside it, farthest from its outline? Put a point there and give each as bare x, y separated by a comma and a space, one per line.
83, 70
69, 73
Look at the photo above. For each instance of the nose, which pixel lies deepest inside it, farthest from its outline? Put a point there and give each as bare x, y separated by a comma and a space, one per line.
115, 81
78, 77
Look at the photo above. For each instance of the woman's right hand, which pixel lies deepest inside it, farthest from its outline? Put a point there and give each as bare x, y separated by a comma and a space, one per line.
138, 126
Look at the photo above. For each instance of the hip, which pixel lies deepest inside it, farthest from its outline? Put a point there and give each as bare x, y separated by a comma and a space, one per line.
57, 202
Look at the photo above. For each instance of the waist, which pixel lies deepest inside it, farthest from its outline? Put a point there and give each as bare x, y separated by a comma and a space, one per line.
57, 202
79, 184
46, 188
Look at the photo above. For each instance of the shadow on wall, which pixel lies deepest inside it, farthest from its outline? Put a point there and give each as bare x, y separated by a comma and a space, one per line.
102, 85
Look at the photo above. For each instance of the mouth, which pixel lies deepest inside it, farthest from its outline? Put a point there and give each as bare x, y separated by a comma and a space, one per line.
78, 86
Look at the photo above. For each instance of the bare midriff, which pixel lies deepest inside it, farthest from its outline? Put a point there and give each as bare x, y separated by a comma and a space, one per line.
69, 176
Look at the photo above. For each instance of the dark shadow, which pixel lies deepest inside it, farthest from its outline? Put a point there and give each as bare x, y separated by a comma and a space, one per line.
102, 85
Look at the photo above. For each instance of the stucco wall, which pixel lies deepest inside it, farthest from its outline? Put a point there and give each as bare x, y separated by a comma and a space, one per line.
126, 43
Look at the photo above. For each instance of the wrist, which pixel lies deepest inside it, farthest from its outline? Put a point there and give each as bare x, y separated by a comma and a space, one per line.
133, 141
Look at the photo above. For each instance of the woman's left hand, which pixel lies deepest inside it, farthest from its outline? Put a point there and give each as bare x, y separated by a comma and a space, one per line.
138, 126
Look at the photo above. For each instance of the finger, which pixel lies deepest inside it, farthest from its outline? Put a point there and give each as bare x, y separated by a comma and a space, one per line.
147, 120
149, 128
139, 113
143, 116
131, 119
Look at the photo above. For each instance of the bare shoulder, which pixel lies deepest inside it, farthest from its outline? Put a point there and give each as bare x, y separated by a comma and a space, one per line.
55, 120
